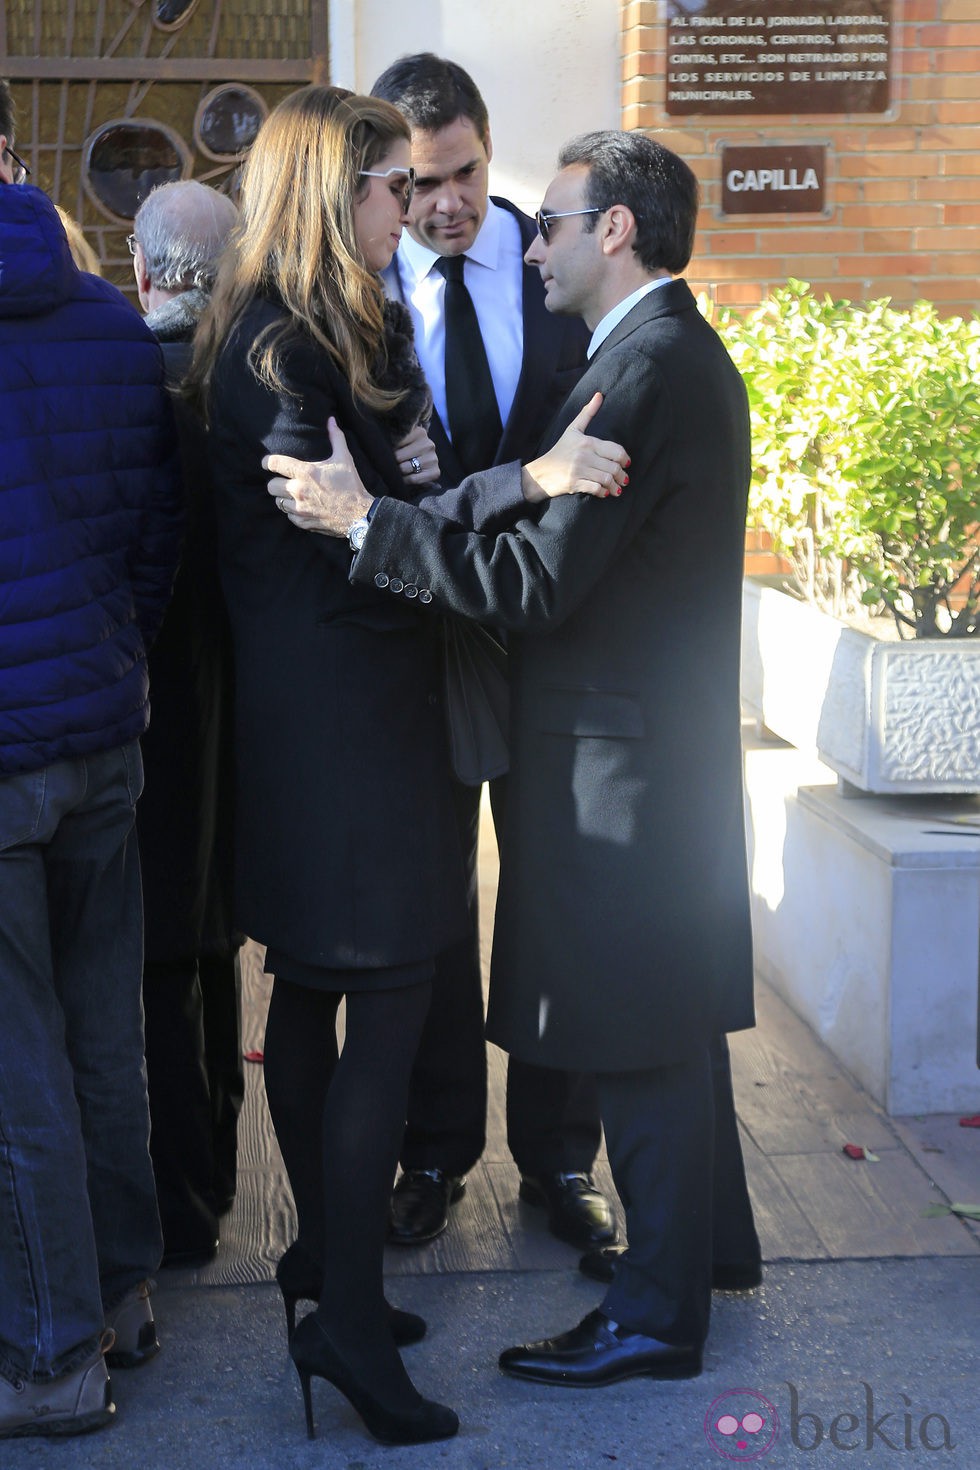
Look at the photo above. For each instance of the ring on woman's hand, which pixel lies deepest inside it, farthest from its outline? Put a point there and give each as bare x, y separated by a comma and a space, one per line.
416, 465
280, 502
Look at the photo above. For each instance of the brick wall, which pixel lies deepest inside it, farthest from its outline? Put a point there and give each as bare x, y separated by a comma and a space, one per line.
904, 191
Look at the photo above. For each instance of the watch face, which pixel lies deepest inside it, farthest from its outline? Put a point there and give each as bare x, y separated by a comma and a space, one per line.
357, 533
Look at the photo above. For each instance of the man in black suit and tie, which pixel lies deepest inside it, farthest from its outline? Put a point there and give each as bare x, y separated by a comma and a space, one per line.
499, 365
622, 940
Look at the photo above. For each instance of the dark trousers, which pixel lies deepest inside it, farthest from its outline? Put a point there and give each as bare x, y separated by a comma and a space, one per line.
195, 1086
676, 1159
552, 1116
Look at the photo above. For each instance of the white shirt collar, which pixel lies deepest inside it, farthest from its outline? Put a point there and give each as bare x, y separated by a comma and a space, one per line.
415, 261
624, 307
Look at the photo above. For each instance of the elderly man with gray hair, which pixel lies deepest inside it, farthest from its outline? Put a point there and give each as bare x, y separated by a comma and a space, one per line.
191, 984
178, 235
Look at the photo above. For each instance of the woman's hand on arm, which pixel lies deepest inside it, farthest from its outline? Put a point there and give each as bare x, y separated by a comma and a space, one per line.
578, 464
417, 458
326, 495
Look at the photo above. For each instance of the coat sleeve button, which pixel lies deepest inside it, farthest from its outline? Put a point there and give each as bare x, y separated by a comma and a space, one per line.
411, 590
396, 584
425, 595
381, 580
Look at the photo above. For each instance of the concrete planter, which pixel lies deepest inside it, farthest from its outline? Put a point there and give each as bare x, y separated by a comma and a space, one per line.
890, 717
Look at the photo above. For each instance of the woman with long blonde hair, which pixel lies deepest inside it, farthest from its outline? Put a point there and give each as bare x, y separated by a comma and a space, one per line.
347, 863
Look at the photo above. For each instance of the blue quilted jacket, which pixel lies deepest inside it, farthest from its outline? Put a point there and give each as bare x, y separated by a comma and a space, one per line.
89, 498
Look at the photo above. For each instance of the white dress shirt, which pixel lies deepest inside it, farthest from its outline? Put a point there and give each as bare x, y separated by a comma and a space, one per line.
614, 317
493, 274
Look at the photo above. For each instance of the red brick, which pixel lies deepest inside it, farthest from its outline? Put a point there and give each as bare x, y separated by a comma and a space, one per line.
888, 242
943, 189
881, 216
961, 35
880, 265
962, 214
951, 138
881, 191
878, 165
798, 240
959, 165
959, 59
945, 239
958, 112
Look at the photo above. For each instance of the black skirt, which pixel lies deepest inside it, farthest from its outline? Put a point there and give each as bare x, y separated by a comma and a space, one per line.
320, 977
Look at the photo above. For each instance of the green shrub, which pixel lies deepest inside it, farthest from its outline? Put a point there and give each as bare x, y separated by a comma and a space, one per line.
866, 452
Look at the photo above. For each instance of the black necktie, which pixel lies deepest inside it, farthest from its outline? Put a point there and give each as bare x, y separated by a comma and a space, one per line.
471, 404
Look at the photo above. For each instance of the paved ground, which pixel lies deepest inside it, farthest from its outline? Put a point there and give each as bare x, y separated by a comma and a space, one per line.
826, 1337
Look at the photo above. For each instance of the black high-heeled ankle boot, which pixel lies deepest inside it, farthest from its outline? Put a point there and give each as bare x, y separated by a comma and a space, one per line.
299, 1278
316, 1357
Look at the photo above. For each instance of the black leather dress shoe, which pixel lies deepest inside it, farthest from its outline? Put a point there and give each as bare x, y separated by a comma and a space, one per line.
736, 1276
577, 1211
599, 1351
420, 1202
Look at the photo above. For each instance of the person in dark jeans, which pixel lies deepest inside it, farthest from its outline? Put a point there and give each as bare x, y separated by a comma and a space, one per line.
89, 536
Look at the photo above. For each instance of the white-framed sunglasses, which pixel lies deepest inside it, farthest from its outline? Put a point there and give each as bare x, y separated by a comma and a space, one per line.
407, 174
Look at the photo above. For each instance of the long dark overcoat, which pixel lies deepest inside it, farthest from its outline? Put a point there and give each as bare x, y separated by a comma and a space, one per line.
622, 933
347, 855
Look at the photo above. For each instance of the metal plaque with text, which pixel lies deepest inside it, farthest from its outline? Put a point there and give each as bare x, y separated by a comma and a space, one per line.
788, 56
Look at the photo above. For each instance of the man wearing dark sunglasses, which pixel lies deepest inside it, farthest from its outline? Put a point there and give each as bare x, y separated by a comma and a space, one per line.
499, 366
90, 532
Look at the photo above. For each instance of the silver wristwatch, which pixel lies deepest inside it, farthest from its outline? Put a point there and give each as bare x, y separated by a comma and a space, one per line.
357, 532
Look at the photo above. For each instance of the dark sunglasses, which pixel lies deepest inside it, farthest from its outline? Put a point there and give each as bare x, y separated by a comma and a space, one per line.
543, 220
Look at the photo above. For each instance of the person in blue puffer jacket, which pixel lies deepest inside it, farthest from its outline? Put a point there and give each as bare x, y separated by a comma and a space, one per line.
89, 540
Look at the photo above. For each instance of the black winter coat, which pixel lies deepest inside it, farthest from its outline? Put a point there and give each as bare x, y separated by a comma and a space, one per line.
347, 855
621, 937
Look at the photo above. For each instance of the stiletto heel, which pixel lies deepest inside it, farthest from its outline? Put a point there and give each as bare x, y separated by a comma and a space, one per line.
304, 1383
315, 1356
299, 1278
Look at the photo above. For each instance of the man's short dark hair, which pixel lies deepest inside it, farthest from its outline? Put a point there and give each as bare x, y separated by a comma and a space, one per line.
6, 111
432, 93
659, 188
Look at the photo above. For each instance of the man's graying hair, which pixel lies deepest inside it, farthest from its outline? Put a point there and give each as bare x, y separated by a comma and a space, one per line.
6, 111
659, 188
432, 92
183, 228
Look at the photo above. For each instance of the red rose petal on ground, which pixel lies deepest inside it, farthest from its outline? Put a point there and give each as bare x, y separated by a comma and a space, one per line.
973, 1122
254, 1056
853, 1150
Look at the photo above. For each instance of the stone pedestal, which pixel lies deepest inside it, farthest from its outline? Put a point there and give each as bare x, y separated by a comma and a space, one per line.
889, 716
866, 916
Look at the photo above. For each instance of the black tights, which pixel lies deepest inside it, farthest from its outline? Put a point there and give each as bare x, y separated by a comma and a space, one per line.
341, 1173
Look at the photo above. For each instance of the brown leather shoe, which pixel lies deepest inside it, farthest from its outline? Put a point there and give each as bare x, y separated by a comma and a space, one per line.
420, 1202
74, 1403
577, 1211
